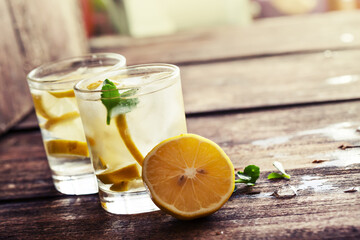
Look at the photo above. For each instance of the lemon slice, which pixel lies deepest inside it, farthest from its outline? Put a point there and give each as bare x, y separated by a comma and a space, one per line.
188, 176
49, 106
94, 85
91, 141
102, 163
64, 94
120, 187
127, 173
69, 128
63, 148
39, 108
123, 129
49, 124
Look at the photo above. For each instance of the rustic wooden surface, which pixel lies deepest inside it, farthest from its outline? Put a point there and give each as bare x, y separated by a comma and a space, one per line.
10, 112
338, 30
295, 106
316, 213
272, 81
32, 33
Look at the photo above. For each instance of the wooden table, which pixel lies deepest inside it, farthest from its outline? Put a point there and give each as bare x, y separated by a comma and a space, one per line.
283, 89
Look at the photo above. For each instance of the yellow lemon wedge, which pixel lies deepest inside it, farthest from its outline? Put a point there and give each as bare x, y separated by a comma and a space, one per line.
48, 106
102, 163
123, 129
68, 127
61, 115
119, 175
188, 176
56, 120
64, 148
64, 94
91, 141
120, 187
39, 108
94, 85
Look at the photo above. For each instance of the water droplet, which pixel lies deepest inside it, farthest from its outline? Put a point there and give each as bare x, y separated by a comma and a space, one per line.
285, 191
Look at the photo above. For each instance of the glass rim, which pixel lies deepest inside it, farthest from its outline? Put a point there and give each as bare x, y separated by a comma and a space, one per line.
175, 71
31, 78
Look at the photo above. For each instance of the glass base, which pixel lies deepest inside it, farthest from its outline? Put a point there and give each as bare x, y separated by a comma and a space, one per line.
127, 203
76, 185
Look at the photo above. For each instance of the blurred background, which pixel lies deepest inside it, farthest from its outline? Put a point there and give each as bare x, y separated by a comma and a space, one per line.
147, 18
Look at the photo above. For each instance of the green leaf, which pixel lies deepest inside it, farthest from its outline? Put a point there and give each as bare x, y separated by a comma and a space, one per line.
244, 177
115, 102
249, 176
275, 175
281, 169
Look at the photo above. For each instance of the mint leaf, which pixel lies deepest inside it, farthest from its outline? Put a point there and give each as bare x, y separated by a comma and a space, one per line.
109, 98
275, 175
249, 176
115, 102
281, 169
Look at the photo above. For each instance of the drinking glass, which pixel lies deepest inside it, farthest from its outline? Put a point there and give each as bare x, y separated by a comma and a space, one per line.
51, 86
125, 113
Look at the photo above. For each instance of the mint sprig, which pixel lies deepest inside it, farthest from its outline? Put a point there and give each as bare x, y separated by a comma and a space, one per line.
282, 174
249, 176
115, 102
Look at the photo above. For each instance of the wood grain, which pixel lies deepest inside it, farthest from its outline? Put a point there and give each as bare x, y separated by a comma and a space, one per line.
271, 81
33, 32
336, 30
50, 35
314, 213
15, 100
25, 170
293, 136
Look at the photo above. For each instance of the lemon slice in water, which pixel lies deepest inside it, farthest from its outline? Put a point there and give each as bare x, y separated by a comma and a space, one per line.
119, 175
64, 94
49, 106
66, 148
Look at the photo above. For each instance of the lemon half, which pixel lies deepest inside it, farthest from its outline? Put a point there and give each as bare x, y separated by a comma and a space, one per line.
188, 176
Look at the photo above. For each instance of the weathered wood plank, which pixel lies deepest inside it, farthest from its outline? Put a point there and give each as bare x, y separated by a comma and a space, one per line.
25, 170
15, 100
294, 136
271, 81
318, 211
29, 39
50, 35
294, 34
